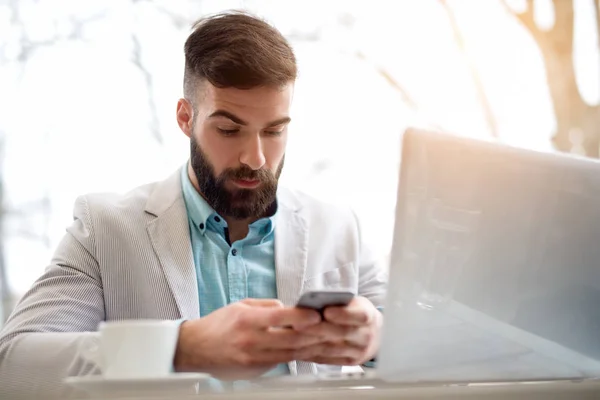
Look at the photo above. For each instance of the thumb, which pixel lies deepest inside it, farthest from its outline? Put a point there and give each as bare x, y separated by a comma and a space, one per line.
263, 303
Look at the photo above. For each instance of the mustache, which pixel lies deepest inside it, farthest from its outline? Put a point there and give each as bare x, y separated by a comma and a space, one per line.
247, 173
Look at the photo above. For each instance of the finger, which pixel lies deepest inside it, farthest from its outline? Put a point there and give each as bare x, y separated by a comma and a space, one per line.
286, 339
361, 337
296, 318
264, 317
358, 313
330, 351
329, 331
358, 336
263, 303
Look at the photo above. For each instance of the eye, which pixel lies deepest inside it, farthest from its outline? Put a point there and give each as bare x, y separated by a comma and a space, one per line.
228, 132
274, 133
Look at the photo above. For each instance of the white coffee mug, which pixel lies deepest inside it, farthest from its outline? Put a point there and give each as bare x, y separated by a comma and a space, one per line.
135, 348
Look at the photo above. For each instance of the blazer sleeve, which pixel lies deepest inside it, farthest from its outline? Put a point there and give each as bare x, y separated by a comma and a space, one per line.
372, 272
41, 341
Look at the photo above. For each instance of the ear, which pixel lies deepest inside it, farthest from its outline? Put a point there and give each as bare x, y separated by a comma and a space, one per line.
185, 116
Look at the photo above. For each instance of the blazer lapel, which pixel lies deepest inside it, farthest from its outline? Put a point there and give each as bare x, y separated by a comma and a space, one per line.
291, 253
170, 236
291, 250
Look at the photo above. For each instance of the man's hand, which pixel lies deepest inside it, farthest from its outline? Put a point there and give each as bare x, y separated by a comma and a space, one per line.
351, 335
245, 339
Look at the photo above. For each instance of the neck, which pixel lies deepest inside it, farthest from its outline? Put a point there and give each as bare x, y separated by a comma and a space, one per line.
238, 229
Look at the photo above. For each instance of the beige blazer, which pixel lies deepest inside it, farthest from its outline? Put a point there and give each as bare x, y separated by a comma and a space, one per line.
130, 256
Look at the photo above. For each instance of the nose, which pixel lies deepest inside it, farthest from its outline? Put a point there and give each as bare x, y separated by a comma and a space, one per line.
252, 154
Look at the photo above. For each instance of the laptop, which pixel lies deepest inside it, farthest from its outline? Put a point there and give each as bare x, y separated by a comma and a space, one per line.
495, 267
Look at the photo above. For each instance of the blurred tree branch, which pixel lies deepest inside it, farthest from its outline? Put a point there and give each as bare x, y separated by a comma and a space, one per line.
527, 17
393, 82
578, 123
179, 21
137, 61
479, 87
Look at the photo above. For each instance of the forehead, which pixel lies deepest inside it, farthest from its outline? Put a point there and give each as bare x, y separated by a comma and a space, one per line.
255, 103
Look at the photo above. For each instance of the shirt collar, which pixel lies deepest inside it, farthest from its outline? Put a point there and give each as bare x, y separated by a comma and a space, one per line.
200, 212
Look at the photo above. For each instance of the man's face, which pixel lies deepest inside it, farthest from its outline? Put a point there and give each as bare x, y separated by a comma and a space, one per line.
237, 140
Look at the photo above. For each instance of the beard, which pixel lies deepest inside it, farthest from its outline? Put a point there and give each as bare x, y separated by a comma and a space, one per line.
236, 203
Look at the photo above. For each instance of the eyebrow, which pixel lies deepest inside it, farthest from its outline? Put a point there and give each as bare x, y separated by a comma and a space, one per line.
239, 121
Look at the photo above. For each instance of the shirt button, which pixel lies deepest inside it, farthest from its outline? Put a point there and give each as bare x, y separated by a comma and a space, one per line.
234, 252
201, 226
217, 219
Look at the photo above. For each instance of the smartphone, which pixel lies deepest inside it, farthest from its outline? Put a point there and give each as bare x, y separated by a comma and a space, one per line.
320, 299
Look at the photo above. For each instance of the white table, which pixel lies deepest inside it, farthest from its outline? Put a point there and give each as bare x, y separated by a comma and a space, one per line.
497, 391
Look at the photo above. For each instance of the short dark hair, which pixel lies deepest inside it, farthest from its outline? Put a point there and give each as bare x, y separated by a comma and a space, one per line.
236, 49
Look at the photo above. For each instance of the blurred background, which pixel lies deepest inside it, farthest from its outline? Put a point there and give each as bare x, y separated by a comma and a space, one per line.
88, 91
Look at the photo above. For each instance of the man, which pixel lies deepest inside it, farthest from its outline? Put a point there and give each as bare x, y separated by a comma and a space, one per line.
216, 245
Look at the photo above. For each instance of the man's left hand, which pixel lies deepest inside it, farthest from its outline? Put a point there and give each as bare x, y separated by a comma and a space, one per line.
351, 333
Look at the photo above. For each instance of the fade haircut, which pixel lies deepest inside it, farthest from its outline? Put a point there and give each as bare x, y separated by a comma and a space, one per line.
236, 50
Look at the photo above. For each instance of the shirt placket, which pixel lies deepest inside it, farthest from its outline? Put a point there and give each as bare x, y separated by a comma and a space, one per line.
236, 273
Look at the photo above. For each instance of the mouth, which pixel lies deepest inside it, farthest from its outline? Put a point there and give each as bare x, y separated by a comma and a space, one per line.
246, 183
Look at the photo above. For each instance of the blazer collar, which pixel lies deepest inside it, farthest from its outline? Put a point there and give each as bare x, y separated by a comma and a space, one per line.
169, 233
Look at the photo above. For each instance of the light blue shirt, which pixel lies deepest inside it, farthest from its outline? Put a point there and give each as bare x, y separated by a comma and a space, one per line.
227, 273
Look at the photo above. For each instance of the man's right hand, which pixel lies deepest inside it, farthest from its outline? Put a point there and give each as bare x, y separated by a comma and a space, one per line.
244, 340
